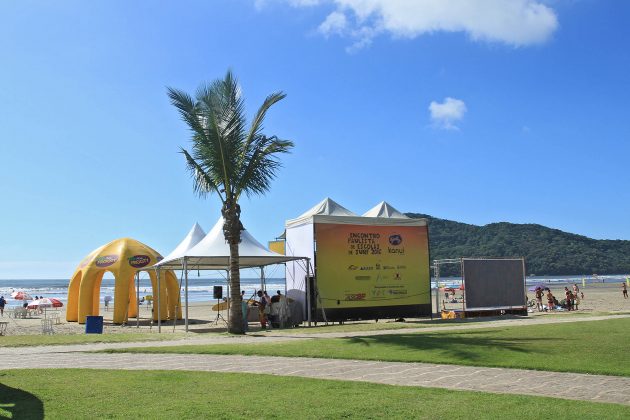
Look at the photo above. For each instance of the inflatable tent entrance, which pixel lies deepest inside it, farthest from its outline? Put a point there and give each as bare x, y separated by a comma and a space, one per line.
123, 258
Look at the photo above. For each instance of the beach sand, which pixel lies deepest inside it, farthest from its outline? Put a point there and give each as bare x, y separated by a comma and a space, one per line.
598, 298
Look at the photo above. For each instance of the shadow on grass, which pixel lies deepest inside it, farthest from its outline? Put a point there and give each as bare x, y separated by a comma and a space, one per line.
470, 345
18, 404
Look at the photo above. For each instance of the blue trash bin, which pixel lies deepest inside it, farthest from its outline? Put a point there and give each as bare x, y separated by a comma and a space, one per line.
94, 325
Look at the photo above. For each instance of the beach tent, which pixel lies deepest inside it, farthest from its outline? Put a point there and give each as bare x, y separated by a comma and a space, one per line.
213, 253
370, 266
192, 238
384, 209
124, 258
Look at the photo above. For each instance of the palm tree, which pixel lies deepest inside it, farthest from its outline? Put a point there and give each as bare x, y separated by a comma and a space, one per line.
229, 159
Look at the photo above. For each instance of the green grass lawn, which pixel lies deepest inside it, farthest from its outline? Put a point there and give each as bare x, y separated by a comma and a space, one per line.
44, 340
81, 393
586, 347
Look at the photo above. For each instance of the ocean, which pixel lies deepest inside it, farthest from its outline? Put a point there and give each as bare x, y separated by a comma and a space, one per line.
200, 288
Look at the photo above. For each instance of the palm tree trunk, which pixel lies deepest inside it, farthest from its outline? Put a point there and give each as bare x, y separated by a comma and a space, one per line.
232, 232
236, 312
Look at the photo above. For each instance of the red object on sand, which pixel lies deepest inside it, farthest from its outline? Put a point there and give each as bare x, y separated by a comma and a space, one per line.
21, 296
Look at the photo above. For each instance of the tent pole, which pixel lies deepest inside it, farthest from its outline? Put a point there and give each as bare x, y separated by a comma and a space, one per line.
159, 317
308, 292
138, 300
186, 294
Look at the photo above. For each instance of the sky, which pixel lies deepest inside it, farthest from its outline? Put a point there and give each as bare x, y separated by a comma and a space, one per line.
478, 111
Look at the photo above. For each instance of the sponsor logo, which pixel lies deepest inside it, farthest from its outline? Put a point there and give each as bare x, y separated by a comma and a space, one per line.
397, 276
106, 260
352, 267
366, 268
355, 296
139, 261
397, 292
395, 239
362, 277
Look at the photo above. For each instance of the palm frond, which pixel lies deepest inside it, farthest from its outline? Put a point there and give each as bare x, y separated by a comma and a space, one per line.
262, 164
203, 183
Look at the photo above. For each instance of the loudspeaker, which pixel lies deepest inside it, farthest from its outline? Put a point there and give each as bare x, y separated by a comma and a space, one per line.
217, 292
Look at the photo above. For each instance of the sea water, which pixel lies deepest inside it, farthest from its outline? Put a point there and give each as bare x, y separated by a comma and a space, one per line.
200, 289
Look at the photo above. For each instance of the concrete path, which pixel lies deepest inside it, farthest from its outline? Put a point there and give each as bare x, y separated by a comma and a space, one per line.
595, 388
514, 381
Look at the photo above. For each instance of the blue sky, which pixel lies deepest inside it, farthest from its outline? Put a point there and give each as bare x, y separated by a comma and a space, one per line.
472, 111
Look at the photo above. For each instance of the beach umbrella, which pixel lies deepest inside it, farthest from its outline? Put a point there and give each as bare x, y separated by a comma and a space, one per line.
538, 286
107, 298
45, 303
21, 296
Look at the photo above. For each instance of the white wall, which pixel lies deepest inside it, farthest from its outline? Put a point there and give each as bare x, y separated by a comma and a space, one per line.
299, 243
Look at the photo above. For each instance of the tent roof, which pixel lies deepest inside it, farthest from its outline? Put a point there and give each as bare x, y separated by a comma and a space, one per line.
326, 207
194, 236
328, 211
213, 253
384, 209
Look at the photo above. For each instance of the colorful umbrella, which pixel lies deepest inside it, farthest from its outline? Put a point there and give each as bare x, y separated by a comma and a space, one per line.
45, 303
21, 296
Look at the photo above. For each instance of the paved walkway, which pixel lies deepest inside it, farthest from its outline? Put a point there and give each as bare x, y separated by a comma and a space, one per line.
514, 381
594, 388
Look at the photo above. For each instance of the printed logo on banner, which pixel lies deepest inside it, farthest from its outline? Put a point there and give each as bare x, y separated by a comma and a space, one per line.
139, 261
395, 239
106, 260
355, 296
352, 267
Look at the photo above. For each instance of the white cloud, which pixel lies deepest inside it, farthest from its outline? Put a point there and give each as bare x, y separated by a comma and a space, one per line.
448, 113
512, 22
335, 23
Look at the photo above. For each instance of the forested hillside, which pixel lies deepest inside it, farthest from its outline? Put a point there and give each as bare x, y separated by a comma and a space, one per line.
547, 251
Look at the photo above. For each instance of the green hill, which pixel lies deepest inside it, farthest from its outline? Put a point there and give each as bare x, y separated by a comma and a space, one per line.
547, 251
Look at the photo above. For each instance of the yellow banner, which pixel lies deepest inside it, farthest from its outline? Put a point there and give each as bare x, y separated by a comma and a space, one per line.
363, 266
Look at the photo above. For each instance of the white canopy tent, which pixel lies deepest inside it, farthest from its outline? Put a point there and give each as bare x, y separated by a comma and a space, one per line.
386, 210
194, 236
213, 253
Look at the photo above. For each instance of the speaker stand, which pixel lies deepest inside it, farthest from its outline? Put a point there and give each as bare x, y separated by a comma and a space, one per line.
219, 316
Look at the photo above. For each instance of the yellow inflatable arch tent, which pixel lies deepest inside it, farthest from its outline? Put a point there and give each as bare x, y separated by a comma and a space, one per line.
123, 258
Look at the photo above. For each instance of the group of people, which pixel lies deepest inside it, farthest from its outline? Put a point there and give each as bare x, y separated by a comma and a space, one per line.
272, 310
571, 301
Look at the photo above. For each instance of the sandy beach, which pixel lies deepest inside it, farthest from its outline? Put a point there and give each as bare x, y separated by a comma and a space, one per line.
598, 298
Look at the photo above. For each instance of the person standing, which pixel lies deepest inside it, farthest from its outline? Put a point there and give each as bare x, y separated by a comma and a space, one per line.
624, 290
539, 299
549, 300
245, 310
568, 299
262, 304
3, 302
